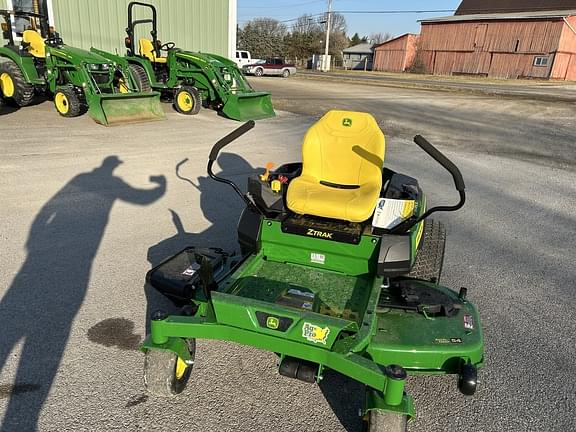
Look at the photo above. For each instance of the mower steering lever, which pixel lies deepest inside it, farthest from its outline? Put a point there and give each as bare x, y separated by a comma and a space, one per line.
232, 136
425, 145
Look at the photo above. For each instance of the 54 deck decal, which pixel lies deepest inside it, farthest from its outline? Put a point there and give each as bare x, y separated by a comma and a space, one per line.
314, 333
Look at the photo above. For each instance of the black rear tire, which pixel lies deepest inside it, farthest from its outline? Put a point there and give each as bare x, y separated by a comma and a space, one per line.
285, 73
430, 257
140, 77
383, 421
23, 92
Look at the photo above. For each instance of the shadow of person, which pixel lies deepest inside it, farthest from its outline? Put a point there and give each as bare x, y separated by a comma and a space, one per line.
49, 289
220, 206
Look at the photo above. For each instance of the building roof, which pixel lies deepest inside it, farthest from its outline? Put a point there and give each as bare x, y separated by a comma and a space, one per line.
395, 39
363, 48
473, 7
504, 16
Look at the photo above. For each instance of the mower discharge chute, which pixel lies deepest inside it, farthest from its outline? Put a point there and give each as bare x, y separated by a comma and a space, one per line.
79, 81
339, 270
190, 79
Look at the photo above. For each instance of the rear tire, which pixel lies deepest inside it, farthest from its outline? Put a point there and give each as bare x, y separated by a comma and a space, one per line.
285, 73
383, 421
68, 103
187, 100
13, 85
259, 72
165, 374
430, 256
141, 78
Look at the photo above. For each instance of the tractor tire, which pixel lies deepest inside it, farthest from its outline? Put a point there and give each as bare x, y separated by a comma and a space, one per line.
259, 72
13, 85
165, 374
430, 257
187, 100
285, 73
383, 421
68, 103
140, 77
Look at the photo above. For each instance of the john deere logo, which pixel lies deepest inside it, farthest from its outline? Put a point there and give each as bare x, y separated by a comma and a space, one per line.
272, 323
347, 122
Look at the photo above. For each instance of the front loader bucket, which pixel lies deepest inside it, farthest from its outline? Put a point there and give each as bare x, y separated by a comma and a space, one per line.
120, 108
249, 106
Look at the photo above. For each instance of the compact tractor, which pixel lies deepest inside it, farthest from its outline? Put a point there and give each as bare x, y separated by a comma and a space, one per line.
189, 79
35, 61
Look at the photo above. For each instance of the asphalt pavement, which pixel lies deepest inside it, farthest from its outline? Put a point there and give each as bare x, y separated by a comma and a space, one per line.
79, 230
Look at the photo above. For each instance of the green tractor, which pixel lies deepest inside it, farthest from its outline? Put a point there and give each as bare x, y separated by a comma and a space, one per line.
189, 79
36, 60
339, 270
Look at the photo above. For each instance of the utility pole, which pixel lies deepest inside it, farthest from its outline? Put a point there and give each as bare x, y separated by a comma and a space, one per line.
326, 63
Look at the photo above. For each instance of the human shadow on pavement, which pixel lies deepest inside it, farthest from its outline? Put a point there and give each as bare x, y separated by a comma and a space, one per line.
49, 289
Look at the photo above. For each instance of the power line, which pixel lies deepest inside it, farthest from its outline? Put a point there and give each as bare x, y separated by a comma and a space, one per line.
282, 6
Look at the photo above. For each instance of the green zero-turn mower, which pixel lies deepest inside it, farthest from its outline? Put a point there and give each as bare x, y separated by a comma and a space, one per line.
190, 79
339, 269
78, 80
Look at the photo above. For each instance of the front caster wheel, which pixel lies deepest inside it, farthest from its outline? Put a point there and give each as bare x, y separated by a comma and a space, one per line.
166, 374
384, 421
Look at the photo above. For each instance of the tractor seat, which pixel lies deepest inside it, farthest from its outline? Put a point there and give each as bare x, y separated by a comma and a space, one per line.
35, 43
342, 156
147, 50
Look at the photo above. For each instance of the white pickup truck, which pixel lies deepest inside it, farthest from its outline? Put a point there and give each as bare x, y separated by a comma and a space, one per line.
244, 58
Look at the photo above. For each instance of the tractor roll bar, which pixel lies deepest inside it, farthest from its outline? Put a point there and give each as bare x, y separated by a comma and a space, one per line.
132, 23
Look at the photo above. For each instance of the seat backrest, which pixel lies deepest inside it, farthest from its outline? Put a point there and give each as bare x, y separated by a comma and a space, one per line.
344, 148
36, 45
147, 49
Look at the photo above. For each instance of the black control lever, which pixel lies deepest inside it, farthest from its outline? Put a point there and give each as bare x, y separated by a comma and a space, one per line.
458, 182
232, 136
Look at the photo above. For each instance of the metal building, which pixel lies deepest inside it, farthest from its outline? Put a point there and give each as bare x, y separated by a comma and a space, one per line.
198, 25
396, 55
530, 40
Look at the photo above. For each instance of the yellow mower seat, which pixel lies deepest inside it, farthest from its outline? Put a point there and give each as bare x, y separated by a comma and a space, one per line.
36, 46
147, 50
342, 155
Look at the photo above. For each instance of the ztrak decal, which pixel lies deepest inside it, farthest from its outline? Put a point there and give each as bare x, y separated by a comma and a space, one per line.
313, 333
313, 233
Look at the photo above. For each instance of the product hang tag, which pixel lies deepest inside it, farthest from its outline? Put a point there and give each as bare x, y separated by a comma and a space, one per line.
391, 212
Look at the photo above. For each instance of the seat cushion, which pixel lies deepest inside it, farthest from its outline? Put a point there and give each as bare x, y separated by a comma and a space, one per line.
307, 196
36, 46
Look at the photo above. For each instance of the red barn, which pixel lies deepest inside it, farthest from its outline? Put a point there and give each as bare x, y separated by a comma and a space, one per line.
395, 55
503, 39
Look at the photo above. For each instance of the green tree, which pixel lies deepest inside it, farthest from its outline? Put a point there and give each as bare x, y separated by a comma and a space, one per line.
355, 39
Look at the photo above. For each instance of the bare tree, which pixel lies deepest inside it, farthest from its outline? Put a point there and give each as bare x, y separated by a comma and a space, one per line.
263, 37
378, 38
